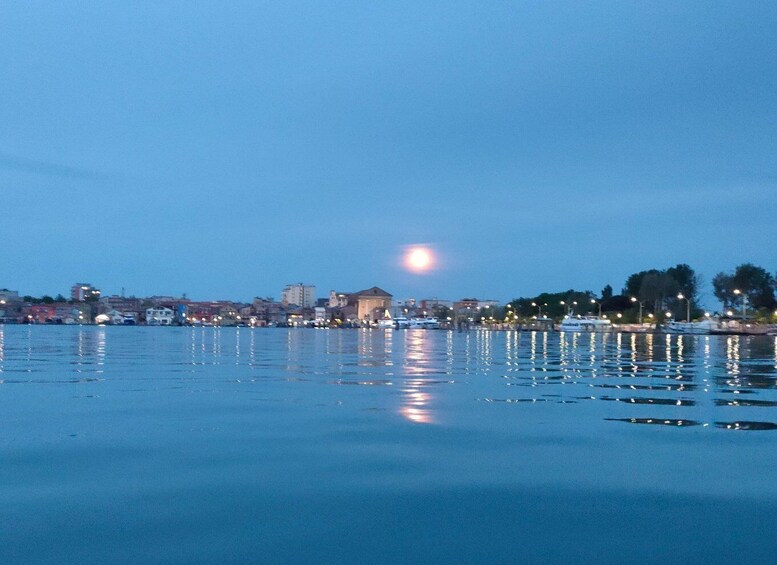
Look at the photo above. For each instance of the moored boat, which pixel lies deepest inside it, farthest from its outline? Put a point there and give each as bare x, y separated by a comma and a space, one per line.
698, 328
585, 324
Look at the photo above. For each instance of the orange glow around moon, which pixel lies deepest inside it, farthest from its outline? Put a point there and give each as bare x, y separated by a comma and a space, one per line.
419, 259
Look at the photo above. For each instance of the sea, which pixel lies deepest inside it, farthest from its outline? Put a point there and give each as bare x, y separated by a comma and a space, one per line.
270, 445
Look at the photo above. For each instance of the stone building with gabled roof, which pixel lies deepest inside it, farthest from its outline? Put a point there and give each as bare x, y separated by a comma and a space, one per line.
371, 303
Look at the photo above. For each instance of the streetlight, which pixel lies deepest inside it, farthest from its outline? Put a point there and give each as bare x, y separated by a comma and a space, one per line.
744, 302
535, 305
594, 301
641, 305
688, 311
562, 310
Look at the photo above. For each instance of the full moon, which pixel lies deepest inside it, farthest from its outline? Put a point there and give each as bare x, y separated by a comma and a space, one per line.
419, 259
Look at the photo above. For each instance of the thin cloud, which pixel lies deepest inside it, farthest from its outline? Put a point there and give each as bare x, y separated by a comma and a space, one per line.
49, 169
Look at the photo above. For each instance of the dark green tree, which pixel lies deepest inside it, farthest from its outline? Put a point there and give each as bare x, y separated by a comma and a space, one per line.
755, 282
723, 289
634, 282
752, 281
686, 278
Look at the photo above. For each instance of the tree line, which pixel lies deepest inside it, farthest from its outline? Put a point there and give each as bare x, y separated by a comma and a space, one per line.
674, 290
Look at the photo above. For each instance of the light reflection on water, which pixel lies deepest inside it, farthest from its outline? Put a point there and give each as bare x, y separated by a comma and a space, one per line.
189, 445
719, 382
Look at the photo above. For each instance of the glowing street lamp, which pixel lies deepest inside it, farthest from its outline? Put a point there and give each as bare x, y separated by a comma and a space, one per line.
688, 311
641, 305
744, 302
539, 306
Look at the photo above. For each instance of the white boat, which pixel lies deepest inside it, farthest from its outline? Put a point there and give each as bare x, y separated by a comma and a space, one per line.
416, 323
424, 323
698, 328
585, 324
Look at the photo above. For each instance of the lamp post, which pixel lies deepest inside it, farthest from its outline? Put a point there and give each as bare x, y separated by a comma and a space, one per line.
594, 301
744, 302
680, 296
538, 306
641, 305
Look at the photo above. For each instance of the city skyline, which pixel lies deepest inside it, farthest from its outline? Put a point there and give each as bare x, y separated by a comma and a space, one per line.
231, 150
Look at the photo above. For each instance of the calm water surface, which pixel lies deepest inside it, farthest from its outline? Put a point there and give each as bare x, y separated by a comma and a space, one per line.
139, 445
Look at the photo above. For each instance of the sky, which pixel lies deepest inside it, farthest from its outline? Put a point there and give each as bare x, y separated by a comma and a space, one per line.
226, 149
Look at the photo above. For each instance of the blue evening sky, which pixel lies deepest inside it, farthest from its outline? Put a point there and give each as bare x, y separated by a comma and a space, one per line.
225, 149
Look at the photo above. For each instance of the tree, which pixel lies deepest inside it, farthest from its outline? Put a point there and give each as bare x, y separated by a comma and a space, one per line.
723, 289
686, 278
634, 282
606, 293
577, 301
756, 283
660, 288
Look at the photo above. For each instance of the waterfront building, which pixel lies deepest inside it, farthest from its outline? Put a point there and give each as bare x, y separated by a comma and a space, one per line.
371, 304
120, 303
216, 313
431, 303
10, 306
81, 292
302, 295
338, 299
117, 318
39, 313
159, 316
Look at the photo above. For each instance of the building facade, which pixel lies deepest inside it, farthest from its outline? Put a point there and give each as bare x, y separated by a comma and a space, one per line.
160, 316
302, 295
81, 292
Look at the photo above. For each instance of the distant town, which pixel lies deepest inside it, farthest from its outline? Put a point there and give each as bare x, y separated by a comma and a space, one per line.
649, 298
297, 306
